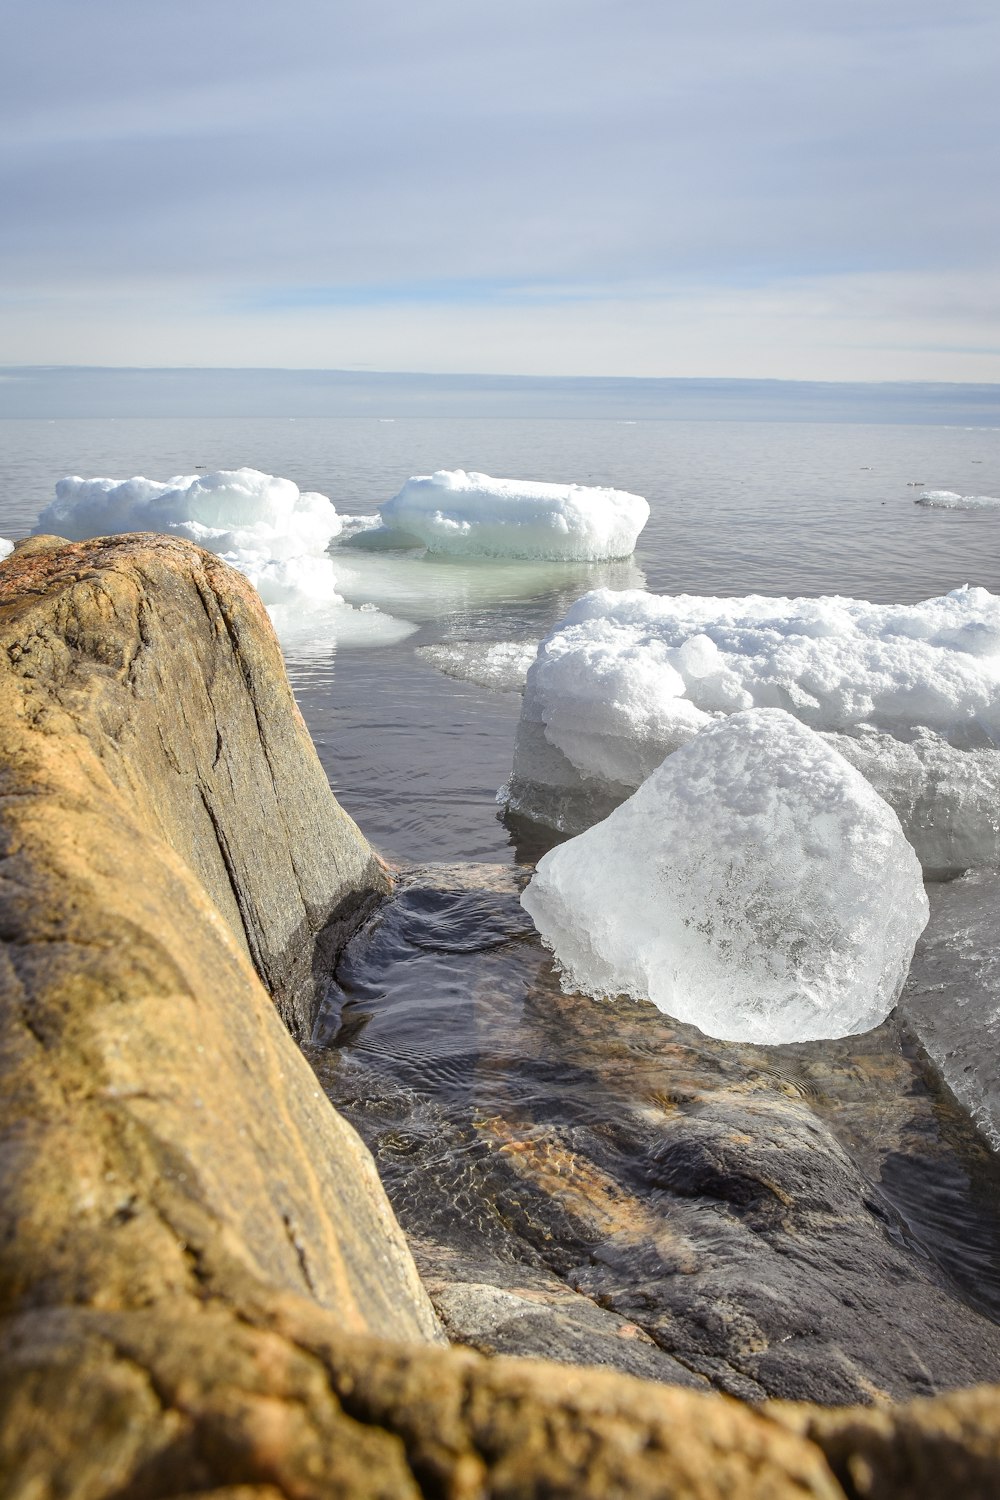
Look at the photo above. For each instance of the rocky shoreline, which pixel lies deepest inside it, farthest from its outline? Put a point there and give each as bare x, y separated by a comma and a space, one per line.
203, 1288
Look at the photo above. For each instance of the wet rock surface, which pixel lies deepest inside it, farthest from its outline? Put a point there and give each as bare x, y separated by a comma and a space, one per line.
811, 1222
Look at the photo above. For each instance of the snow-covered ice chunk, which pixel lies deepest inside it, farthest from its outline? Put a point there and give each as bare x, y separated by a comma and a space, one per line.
755, 886
502, 665
472, 514
949, 500
232, 510
6, 548
628, 677
273, 532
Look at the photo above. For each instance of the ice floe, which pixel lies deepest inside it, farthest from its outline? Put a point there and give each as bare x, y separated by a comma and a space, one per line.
273, 532
755, 886
6, 548
949, 500
469, 514
913, 691
501, 666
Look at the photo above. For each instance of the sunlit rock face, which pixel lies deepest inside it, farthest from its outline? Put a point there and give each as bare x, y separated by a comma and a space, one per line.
910, 694
755, 885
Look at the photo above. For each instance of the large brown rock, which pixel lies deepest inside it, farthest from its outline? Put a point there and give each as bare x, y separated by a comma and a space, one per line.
157, 799
947, 1448
195, 1254
158, 662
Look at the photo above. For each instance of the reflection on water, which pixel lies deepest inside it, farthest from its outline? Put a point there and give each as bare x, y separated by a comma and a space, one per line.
469, 593
776, 1220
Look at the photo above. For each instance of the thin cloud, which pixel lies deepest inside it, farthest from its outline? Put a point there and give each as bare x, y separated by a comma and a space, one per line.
234, 158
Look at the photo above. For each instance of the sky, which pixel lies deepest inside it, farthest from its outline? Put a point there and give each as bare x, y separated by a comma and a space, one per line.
781, 189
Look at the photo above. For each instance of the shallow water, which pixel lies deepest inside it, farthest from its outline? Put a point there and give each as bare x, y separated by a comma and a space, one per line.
520, 1129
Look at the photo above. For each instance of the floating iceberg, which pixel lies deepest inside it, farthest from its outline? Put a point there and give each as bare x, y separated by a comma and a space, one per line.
949, 500
473, 515
6, 548
755, 886
273, 532
911, 692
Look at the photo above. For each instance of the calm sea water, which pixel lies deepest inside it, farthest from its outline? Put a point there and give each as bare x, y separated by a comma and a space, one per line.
770, 507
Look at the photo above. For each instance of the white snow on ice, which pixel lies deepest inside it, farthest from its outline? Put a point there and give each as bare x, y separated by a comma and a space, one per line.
6, 548
755, 886
949, 500
273, 532
472, 514
627, 678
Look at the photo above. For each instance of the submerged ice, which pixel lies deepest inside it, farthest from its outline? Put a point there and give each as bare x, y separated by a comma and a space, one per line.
755, 886
469, 514
501, 665
273, 532
909, 693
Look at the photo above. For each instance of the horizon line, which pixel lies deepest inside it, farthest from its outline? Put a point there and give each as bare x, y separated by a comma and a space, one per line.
7, 370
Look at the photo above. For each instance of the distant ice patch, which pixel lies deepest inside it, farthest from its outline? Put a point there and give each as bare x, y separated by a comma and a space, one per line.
6, 548
502, 666
273, 532
468, 514
755, 886
913, 691
949, 500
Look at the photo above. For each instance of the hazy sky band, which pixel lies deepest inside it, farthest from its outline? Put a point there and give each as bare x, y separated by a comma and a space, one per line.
564, 187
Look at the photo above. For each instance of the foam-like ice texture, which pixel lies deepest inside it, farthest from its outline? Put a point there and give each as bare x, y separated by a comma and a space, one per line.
473, 515
627, 678
502, 666
6, 548
755, 886
273, 532
949, 500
